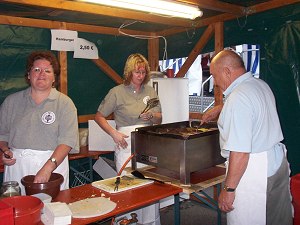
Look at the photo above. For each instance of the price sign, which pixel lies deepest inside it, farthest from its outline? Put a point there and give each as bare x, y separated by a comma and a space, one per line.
85, 49
63, 40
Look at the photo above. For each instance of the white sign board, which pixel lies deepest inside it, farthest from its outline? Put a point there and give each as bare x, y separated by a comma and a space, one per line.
99, 140
85, 49
63, 40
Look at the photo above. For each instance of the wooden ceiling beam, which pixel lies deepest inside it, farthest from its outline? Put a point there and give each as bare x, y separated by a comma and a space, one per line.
208, 33
48, 24
269, 5
226, 16
108, 70
217, 6
198, 24
95, 9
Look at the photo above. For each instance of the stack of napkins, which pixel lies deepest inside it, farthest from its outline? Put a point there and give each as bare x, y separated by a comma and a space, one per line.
56, 213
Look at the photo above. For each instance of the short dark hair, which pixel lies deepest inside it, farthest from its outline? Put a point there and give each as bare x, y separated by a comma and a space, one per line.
47, 55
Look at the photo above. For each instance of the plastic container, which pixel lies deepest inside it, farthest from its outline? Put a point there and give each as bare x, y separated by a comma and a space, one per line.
295, 191
170, 73
52, 187
6, 214
27, 209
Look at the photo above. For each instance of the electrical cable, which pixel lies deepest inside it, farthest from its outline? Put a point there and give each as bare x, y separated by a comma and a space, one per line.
139, 36
125, 164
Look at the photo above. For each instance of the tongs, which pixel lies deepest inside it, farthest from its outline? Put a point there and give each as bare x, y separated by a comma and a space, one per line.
117, 183
150, 104
5, 154
138, 174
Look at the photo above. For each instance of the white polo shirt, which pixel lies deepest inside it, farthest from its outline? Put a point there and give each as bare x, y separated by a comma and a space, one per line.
249, 121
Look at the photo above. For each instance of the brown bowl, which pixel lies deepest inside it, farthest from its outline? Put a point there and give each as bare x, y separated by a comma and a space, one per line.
52, 187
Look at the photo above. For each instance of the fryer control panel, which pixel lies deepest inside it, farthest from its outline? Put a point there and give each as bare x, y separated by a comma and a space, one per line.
148, 158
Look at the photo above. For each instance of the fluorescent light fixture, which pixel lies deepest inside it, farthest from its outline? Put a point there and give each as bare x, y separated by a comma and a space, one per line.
161, 7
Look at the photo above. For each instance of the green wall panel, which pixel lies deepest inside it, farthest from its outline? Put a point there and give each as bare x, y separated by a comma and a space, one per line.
276, 31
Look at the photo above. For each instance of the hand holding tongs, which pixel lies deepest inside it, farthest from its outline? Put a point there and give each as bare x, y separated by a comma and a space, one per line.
5, 155
150, 104
117, 182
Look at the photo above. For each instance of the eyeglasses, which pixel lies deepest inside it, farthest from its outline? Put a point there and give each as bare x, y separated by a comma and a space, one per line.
38, 70
139, 72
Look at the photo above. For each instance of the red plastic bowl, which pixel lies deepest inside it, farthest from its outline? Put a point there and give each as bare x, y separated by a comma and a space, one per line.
27, 209
52, 187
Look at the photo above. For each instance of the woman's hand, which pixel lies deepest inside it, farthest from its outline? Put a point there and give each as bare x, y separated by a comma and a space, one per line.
42, 176
119, 139
146, 116
8, 161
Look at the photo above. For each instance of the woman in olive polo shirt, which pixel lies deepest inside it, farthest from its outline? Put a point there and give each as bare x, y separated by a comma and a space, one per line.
127, 101
38, 126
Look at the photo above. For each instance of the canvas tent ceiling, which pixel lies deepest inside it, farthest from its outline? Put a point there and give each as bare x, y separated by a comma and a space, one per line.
74, 12
25, 24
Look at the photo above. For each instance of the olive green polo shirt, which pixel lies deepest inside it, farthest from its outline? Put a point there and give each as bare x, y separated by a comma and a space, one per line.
26, 125
127, 104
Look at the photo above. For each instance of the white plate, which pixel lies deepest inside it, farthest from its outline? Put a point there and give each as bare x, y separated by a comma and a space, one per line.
91, 207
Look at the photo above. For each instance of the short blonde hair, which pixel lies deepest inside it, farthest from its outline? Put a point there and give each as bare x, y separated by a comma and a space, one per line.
133, 62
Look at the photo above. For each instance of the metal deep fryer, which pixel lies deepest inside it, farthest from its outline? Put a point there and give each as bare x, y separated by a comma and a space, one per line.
177, 147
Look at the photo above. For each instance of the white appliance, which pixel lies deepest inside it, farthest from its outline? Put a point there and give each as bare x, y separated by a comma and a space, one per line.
174, 98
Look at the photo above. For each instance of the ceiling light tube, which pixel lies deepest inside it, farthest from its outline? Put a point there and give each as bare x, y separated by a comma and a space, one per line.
161, 7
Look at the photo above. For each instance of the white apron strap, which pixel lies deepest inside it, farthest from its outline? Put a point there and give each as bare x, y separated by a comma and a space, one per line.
29, 162
250, 200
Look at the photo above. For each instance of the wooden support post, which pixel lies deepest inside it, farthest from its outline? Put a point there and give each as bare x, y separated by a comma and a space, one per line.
219, 46
63, 61
196, 51
108, 70
63, 78
153, 53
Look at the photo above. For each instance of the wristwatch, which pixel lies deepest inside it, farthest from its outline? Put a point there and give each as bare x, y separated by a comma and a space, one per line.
228, 189
53, 160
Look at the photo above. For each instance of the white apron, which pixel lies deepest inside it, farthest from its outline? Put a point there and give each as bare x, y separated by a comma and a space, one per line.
250, 195
148, 215
29, 162
121, 155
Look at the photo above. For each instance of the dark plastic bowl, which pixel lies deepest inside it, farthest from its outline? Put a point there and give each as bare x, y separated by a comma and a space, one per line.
52, 187
27, 209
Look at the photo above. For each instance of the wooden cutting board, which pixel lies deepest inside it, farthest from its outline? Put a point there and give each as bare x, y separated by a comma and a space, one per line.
91, 207
126, 183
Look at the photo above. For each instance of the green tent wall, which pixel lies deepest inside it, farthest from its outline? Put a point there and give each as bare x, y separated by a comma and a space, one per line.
276, 31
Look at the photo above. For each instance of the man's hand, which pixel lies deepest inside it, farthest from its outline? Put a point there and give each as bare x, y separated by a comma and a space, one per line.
211, 114
226, 200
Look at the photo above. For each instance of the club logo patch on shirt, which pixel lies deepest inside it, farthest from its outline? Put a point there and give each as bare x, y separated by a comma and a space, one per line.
48, 117
146, 99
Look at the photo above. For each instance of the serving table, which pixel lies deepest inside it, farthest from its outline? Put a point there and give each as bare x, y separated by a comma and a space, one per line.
126, 201
200, 182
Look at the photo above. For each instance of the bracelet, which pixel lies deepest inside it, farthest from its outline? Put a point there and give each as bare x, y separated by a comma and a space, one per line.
228, 189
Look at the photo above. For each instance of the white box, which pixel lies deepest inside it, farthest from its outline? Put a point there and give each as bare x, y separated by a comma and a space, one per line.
98, 139
105, 168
